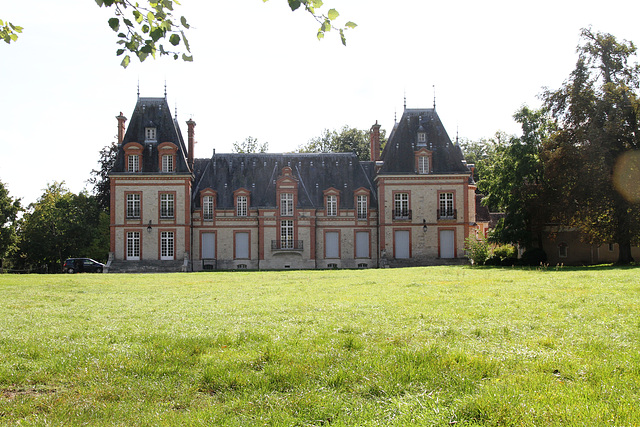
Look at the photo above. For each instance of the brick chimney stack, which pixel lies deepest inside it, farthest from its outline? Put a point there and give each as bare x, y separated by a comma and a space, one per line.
374, 138
191, 141
121, 120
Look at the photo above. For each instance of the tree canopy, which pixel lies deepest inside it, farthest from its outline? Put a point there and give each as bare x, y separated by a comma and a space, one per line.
9, 208
597, 114
344, 140
250, 145
61, 224
149, 28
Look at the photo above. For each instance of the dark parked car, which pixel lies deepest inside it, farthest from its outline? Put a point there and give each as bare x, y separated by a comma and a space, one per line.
82, 265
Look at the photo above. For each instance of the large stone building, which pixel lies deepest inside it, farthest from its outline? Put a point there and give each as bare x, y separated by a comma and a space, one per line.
412, 204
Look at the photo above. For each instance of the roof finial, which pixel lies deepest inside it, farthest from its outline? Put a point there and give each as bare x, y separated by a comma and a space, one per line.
457, 141
138, 87
434, 97
176, 113
405, 100
165, 89
395, 116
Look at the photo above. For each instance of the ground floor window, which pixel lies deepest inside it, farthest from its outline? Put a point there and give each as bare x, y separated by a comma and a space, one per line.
286, 234
242, 245
362, 244
166, 245
332, 244
133, 245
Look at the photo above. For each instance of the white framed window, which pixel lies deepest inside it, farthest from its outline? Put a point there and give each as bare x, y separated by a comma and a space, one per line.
241, 206
134, 163
446, 210
167, 163
133, 206
423, 165
166, 245
149, 134
332, 205
133, 245
563, 250
422, 138
362, 204
286, 234
207, 207
167, 205
401, 205
286, 204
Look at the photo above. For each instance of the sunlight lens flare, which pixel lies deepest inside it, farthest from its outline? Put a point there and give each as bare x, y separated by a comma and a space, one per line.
626, 176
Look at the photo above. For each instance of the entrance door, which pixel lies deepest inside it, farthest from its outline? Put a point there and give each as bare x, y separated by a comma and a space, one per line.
401, 244
208, 246
447, 246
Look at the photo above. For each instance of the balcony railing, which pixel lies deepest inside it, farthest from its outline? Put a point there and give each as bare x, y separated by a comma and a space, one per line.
402, 214
286, 245
447, 213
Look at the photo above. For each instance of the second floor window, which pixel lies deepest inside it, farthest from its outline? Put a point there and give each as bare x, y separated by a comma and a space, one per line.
133, 206
167, 163
207, 207
401, 205
361, 202
286, 204
166, 206
241, 206
134, 163
332, 205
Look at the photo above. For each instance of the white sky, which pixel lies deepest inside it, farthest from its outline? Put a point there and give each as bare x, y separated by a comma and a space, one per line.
260, 71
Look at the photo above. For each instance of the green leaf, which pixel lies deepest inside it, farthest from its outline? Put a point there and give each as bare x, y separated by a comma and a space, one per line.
100, 2
156, 34
125, 62
138, 16
183, 21
294, 4
351, 25
127, 22
187, 58
342, 38
320, 34
185, 41
119, 52
332, 14
114, 23
174, 39
326, 26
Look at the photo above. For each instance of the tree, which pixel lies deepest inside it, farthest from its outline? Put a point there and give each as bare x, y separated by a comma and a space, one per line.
100, 177
250, 145
597, 112
61, 225
512, 180
145, 27
346, 140
9, 208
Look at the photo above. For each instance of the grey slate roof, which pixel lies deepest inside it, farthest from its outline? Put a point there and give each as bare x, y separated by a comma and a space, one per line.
152, 112
398, 154
226, 173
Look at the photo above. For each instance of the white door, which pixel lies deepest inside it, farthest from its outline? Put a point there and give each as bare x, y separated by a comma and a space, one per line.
447, 247
362, 244
242, 245
208, 246
332, 244
401, 242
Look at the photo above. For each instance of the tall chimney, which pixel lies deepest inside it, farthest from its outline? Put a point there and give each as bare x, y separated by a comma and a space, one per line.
374, 138
191, 141
121, 120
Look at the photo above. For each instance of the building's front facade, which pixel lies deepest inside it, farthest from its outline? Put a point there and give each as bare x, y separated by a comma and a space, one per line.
413, 204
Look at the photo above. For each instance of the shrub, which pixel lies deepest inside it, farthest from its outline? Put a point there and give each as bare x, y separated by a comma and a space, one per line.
505, 251
477, 250
533, 257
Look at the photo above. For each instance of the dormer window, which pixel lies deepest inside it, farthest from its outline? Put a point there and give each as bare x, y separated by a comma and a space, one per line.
134, 163
422, 138
149, 134
167, 163
423, 165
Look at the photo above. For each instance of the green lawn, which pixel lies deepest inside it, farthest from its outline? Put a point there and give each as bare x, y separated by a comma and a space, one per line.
419, 346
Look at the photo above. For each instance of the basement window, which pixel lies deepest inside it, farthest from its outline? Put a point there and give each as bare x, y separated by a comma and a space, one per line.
563, 250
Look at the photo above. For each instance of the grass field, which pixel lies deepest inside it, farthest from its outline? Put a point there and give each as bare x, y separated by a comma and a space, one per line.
393, 347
